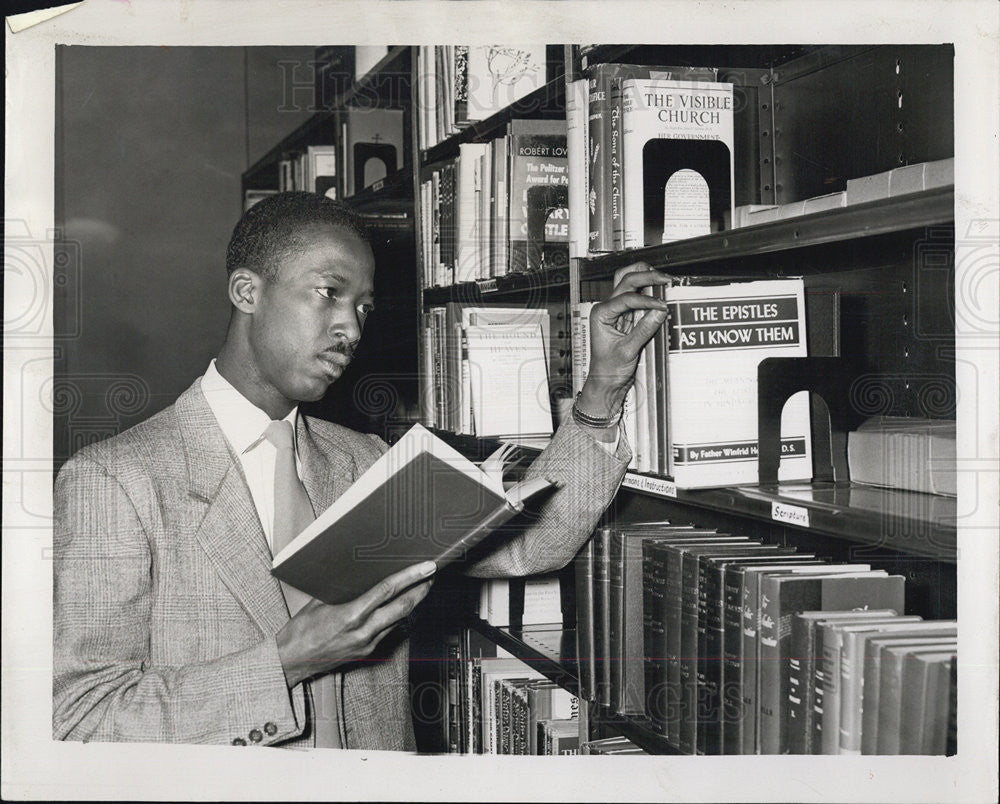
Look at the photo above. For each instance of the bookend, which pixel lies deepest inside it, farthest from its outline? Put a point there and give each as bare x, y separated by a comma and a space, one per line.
830, 378
384, 152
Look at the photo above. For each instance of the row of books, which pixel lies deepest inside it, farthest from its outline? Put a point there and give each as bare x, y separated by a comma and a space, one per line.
692, 411
369, 148
731, 646
461, 84
486, 370
533, 600
500, 705
499, 207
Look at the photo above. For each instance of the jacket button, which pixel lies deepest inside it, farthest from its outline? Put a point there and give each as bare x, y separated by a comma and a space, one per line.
239, 741
256, 736
270, 729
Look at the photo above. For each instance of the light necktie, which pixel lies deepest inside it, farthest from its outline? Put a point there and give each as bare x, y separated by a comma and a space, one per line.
292, 514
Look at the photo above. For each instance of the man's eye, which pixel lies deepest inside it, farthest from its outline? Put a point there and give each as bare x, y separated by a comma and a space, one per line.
366, 309
328, 292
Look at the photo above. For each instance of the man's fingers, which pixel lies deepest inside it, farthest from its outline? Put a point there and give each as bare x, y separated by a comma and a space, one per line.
396, 609
608, 312
388, 588
645, 329
639, 277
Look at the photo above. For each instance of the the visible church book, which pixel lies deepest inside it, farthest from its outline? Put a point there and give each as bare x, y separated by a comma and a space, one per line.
911, 453
538, 192
923, 633
718, 334
802, 665
833, 637
892, 700
782, 596
606, 178
923, 724
677, 160
421, 500
585, 655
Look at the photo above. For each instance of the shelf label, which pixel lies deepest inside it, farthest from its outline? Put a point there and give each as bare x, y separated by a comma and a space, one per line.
790, 514
375, 187
487, 285
653, 485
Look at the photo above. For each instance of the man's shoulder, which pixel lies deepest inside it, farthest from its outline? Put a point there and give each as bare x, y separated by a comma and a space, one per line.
149, 443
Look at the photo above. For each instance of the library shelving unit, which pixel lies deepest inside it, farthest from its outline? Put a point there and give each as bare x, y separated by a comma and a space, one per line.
807, 119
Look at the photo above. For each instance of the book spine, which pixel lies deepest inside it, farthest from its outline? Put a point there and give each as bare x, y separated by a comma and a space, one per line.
601, 236
770, 670
616, 571
585, 620
674, 648
889, 703
576, 148
654, 634
689, 655
799, 674
851, 680
869, 703
712, 663
660, 354
476, 534
830, 741
633, 677
613, 128
602, 614
732, 664
750, 661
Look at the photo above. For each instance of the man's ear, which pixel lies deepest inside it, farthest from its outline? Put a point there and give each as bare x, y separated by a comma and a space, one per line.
244, 290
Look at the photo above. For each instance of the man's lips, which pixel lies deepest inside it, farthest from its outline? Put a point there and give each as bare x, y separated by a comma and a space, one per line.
338, 359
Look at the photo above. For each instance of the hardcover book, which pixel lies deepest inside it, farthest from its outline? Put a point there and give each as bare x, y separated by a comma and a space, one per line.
677, 160
717, 336
421, 500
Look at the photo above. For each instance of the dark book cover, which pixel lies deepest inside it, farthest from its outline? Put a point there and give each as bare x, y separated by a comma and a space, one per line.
602, 614
673, 642
781, 597
951, 739
693, 617
584, 569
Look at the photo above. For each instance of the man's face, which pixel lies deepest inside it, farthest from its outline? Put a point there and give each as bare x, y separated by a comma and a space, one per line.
309, 319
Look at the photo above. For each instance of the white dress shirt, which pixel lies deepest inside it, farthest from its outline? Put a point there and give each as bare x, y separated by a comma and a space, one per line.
243, 425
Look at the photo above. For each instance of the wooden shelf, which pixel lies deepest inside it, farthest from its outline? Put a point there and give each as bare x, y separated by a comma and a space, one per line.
923, 525
551, 650
526, 285
888, 216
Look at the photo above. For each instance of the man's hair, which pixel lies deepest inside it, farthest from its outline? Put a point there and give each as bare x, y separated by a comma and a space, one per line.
269, 230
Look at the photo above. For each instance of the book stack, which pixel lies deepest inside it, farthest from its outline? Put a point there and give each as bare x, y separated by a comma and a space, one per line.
692, 412
503, 706
655, 144
727, 645
910, 453
461, 84
488, 370
313, 170
500, 207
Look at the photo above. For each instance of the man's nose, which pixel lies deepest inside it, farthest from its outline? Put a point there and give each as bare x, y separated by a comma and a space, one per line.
347, 327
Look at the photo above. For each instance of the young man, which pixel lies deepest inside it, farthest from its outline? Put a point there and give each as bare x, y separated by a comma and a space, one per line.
168, 625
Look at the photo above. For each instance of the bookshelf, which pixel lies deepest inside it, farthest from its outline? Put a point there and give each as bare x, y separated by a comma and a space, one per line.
800, 130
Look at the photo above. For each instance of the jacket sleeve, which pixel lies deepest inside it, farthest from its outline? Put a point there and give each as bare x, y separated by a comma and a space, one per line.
105, 686
588, 478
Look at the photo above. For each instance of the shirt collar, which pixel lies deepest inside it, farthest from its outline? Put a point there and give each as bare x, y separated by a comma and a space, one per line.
241, 421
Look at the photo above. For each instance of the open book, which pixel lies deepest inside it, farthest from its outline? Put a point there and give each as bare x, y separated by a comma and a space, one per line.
422, 500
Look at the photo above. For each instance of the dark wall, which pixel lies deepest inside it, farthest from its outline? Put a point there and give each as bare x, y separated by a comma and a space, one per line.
150, 146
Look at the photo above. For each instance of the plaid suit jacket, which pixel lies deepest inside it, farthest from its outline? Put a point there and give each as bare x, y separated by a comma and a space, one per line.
165, 609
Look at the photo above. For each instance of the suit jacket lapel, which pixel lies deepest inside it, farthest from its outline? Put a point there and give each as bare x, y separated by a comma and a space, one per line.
230, 531
327, 470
